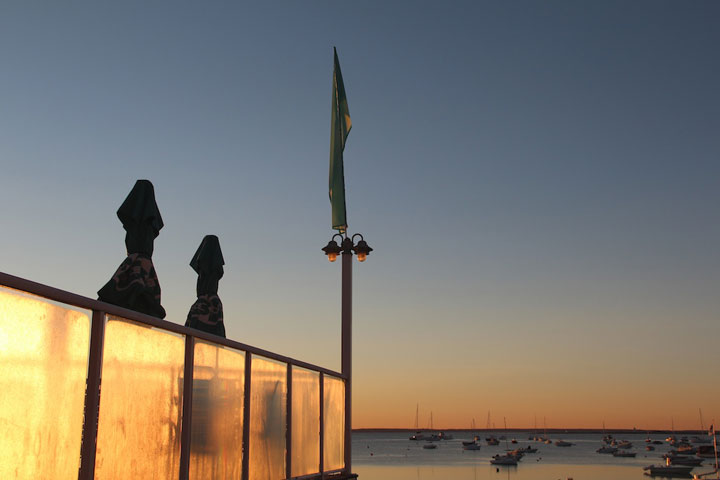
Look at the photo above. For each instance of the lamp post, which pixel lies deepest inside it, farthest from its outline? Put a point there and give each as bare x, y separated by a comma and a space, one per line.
362, 250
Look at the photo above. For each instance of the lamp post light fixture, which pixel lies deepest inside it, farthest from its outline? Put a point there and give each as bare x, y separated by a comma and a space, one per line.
348, 245
362, 250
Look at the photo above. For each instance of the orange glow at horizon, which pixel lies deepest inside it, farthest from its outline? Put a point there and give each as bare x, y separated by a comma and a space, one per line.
383, 403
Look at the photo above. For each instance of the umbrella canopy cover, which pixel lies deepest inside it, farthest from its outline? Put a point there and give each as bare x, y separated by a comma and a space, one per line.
135, 285
206, 313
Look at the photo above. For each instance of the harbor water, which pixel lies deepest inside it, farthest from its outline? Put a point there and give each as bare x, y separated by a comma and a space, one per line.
392, 456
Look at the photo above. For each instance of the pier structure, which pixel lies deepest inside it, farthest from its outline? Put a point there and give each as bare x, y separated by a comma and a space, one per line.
90, 390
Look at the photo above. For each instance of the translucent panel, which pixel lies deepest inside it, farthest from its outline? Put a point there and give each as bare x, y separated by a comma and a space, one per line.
305, 422
268, 399
217, 413
334, 423
43, 365
140, 402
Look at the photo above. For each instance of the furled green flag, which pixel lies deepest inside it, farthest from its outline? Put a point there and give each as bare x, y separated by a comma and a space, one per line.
340, 126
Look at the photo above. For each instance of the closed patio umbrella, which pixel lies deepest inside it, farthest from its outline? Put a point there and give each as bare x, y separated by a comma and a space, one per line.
135, 285
206, 313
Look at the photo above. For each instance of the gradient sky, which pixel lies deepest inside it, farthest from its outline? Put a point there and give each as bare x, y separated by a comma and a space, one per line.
539, 180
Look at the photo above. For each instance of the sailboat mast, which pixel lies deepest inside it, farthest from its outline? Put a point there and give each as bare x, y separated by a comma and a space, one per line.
506, 444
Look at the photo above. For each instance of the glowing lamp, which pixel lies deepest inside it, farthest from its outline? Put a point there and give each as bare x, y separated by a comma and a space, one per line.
331, 250
362, 250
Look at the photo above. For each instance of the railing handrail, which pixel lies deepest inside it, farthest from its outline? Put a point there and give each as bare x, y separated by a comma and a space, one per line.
62, 296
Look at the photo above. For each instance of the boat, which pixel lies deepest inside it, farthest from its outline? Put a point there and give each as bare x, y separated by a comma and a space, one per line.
649, 448
534, 436
475, 435
545, 438
503, 460
606, 449
491, 440
624, 444
445, 436
528, 449
607, 438
430, 446
433, 437
705, 451
471, 444
683, 450
682, 460
698, 439
618, 453
418, 434
563, 443
668, 470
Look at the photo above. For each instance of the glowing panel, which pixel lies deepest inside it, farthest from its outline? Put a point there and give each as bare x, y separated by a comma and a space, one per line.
140, 402
43, 365
217, 413
268, 397
305, 422
334, 423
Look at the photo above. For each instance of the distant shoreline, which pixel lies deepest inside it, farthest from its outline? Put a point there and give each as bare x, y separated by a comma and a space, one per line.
537, 431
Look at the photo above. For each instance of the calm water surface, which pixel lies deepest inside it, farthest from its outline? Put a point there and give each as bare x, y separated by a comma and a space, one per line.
391, 456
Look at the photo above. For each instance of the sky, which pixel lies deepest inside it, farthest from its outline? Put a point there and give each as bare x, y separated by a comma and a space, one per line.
539, 181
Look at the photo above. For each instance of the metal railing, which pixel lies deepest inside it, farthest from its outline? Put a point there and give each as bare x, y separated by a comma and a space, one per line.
93, 397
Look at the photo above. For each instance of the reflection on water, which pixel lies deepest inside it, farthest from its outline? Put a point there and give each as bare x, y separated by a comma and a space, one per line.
488, 472
391, 456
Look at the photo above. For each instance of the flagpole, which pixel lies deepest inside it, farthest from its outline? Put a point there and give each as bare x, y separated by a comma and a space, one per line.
346, 350
717, 472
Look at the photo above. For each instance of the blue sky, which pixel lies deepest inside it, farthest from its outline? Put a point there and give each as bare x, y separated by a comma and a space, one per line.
539, 181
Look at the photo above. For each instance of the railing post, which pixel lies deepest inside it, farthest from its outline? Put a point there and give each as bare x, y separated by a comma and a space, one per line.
246, 417
288, 421
346, 309
92, 397
322, 424
186, 432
